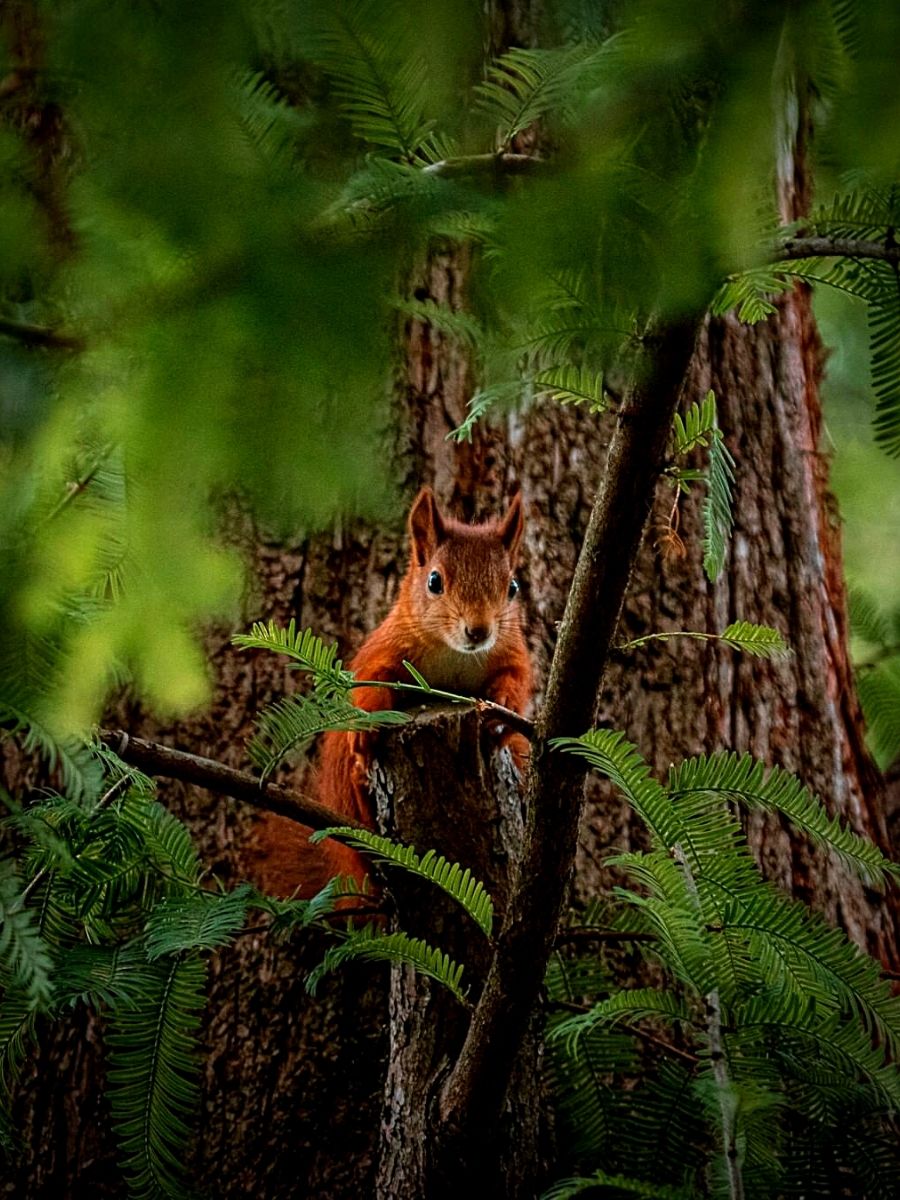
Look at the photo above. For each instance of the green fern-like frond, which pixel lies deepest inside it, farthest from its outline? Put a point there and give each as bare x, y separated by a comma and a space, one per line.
272, 124
867, 620
304, 647
499, 395
762, 641
291, 915
17, 1033
751, 293
24, 955
717, 515
525, 85
867, 213
794, 950
625, 1007
370, 944
884, 335
610, 753
832, 1043
601, 1183
879, 694
462, 326
697, 427
379, 82
290, 724
153, 1075
457, 881
105, 976
746, 779
196, 922
79, 771
574, 385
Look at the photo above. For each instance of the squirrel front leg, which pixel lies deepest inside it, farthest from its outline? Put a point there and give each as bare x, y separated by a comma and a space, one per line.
511, 687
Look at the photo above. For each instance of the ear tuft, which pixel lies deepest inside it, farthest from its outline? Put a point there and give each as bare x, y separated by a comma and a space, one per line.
512, 526
426, 527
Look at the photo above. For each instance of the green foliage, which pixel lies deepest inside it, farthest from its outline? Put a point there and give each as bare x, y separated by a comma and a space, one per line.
371, 944
289, 725
229, 258
807, 1022
744, 778
574, 385
458, 882
304, 647
698, 426
751, 293
717, 515
759, 640
379, 82
99, 873
878, 674
154, 1064
203, 921
600, 1183
523, 86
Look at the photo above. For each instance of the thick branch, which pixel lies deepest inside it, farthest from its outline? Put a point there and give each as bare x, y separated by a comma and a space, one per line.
155, 759
474, 1092
833, 247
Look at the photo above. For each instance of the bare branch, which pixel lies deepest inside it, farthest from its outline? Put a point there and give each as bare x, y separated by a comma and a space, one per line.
156, 759
834, 247
484, 164
474, 1092
592, 933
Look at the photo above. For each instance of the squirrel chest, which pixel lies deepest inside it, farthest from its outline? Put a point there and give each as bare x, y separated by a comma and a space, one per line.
457, 620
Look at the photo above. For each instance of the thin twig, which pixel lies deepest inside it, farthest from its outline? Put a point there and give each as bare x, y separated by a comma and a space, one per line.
834, 247
156, 759
589, 933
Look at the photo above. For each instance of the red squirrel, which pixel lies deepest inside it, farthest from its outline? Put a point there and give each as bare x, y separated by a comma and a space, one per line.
457, 620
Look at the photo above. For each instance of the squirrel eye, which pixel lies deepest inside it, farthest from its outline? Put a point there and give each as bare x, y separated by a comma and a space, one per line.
513, 589
435, 583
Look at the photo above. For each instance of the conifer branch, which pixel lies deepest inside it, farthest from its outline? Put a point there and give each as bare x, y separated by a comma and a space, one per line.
156, 759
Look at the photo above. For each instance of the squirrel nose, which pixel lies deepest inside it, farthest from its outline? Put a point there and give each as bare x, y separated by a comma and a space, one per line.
477, 633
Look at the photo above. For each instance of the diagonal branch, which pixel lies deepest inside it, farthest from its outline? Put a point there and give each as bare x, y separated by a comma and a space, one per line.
475, 1089
835, 247
156, 759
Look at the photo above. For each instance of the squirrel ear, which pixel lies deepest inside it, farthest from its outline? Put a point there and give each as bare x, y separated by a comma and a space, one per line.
426, 526
512, 526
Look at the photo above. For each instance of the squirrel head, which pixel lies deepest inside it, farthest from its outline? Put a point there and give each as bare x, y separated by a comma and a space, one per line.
461, 578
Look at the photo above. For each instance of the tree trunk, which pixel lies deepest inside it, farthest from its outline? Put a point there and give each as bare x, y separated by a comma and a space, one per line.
438, 784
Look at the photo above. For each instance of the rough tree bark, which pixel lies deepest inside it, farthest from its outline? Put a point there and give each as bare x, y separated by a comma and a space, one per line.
438, 784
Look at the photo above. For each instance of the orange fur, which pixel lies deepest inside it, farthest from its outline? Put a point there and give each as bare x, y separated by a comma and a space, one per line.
432, 631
